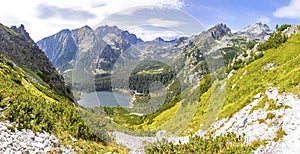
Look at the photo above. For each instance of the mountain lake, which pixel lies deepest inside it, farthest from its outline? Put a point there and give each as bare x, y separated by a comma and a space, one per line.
105, 98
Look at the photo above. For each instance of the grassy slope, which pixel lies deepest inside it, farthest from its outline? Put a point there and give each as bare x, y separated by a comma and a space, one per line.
240, 88
285, 77
239, 91
161, 118
36, 107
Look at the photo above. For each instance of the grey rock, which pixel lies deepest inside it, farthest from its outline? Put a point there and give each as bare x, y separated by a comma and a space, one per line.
54, 141
25, 141
39, 139
242, 122
39, 145
257, 96
16, 146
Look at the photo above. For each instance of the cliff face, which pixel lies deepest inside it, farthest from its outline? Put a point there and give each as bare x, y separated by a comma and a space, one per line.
17, 45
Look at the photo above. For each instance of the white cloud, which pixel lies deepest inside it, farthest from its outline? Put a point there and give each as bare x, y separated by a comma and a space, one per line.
156, 21
148, 35
264, 20
15, 12
290, 11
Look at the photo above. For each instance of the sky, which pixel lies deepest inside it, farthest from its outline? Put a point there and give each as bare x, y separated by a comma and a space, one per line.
164, 18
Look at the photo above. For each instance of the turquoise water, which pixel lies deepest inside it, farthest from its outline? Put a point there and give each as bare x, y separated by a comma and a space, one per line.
104, 98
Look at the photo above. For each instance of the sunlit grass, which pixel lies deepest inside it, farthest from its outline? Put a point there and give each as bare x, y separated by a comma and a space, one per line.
285, 77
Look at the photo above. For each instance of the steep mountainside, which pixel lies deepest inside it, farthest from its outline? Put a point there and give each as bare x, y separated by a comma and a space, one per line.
34, 118
259, 104
105, 43
19, 47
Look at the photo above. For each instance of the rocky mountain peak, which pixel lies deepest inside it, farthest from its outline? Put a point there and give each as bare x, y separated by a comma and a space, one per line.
257, 28
219, 31
104, 30
255, 31
65, 31
116, 34
21, 30
86, 27
159, 39
83, 30
214, 33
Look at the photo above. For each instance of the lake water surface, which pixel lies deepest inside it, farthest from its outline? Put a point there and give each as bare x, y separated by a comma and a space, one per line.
105, 98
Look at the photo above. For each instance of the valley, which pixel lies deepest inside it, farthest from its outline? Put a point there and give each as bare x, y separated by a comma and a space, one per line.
109, 91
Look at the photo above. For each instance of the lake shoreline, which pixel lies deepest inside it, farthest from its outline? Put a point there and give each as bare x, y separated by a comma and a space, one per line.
118, 97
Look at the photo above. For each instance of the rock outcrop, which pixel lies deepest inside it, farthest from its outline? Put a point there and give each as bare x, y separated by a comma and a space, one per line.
21, 30
267, 123
26, 141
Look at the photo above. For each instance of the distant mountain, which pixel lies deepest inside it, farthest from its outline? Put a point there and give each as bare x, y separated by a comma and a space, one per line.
107, 47
17, 45
106, 43
255, 31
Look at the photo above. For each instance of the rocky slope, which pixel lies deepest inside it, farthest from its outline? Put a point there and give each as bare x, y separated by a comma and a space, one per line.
105, 43
26, 141
255, 124
266, 123
19, 47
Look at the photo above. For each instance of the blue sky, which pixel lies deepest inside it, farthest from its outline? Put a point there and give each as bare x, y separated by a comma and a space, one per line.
43, 18
237, 14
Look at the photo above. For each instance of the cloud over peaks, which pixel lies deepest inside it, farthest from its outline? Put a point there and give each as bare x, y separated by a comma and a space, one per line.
48, 11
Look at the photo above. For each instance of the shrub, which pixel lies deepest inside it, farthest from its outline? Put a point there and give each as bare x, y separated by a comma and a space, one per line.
270, 115
251, 45
279, 134
275, 40
282, 27
228, 143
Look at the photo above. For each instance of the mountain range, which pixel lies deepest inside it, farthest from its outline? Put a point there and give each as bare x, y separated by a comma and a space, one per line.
234, 91
106, 47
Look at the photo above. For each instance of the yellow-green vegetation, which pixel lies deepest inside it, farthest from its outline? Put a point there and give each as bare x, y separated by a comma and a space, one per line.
211, 100
34, 106
260, 104
215, 103
9, 30
271, 105
240, 88
173, 116
249, 79
260, 121
270, 115
228, 143
252, 79
280, 133
161, 118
